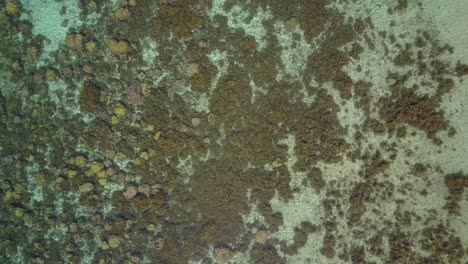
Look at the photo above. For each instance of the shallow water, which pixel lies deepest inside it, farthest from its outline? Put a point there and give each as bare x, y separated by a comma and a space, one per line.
215, 131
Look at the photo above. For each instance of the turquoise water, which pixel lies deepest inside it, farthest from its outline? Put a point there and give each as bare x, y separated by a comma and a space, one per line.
215, 131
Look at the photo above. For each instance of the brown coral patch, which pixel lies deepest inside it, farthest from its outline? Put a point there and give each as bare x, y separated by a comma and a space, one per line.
442, 245
401, 248
181, 18
329, 243
201, 80
456, 183
265, 254
406, 107
89, 97
319, 133
312, 15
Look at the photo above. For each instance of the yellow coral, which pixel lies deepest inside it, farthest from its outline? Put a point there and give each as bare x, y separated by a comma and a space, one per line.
101, 174
96, 167
12, 9
102, 181
144, 155
114, 120
80, 161
118, 47
137, 162
71, 174
90, 46
3, 18
104, 245
19, 212
157, 136
277, 163
50, 75
120, 111
149, 128
121, 14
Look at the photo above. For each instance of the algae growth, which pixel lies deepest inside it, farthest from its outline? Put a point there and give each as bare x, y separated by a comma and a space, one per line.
215, 131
